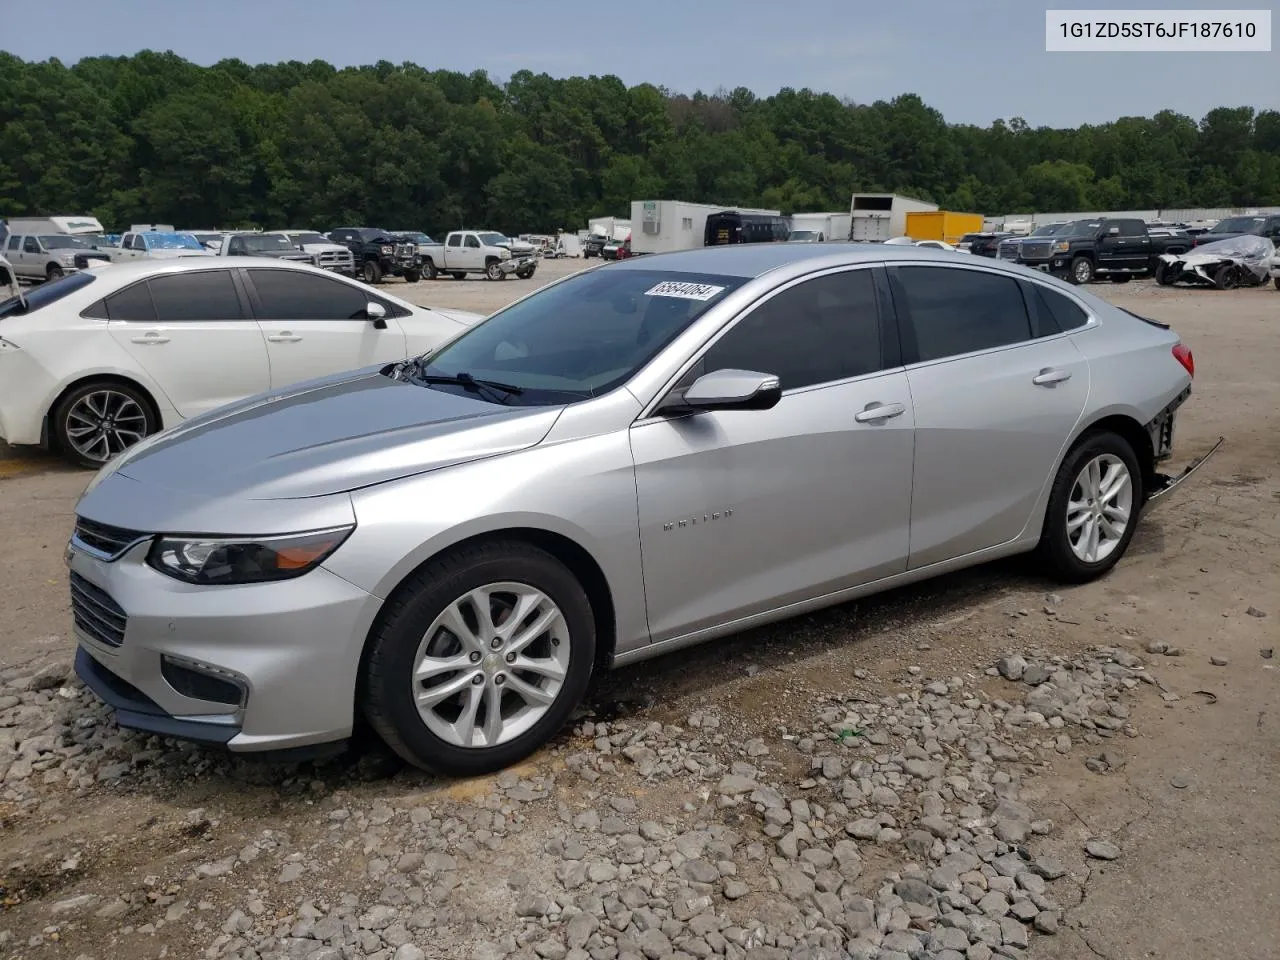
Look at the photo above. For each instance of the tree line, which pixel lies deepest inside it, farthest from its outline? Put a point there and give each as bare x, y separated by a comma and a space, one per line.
155, 138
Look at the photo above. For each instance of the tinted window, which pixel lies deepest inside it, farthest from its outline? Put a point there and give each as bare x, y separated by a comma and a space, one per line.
1131, 228
473, 242
132, 303
455, 240
291, 295
583, 336
46, 294
815, 332
15, 243
1056, 311
954, 311
30, 246
209, 295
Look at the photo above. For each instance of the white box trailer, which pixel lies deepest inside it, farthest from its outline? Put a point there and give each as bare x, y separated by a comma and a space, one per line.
828, 226
663, 226
615, 228
74, 226
877, 217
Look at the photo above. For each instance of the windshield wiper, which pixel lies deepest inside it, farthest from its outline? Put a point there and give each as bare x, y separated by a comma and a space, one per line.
416, 372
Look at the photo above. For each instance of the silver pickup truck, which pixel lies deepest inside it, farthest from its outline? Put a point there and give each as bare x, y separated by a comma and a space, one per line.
476, 251
50, 256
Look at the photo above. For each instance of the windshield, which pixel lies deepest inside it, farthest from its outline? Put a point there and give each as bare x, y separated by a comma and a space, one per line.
208, 237
172, 241
46, 294
267, 243
1082, 228
803, 235
1049, 229
60, 241
309, 238
1237, 225
583, 337
417, 237
493, 239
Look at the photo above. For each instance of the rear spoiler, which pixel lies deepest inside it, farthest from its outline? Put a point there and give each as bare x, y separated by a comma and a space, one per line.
1138, 316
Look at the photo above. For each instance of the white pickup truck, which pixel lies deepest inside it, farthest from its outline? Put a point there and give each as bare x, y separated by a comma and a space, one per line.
157, 244
476, 251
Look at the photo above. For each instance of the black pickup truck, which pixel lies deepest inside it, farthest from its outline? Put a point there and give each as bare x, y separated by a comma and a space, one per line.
380, 253
1118, 249
1260, 225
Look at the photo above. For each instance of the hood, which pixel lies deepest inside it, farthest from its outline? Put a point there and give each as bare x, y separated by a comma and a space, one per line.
325, 248
464, 317
332, 435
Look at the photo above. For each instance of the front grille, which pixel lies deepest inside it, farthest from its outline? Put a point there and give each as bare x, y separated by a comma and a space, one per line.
1008, 251
406, 250
1037, 250
96, 613
104, 539
336, 258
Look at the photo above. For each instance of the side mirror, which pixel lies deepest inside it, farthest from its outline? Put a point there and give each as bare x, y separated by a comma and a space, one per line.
728, 390
377, 313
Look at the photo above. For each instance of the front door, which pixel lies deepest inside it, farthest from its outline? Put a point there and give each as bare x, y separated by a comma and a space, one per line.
190, 333
748, 510
994, 400
316, 325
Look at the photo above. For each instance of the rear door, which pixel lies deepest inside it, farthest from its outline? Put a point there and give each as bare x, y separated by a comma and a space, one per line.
995, 400
1134, 246
315, 325
23, 254
191, 333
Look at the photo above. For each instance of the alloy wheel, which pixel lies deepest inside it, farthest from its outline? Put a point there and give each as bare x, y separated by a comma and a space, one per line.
1100, 508
491, 665
104, 423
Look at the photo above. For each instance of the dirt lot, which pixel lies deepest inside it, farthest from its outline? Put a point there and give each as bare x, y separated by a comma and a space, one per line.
739, 799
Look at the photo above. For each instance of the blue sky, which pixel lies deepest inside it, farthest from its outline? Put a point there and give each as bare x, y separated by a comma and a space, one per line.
975, 60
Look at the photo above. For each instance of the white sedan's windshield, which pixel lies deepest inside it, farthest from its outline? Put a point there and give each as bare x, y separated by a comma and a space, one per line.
582, 337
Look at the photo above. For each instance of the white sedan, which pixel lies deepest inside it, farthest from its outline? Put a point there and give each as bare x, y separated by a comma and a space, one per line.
92, 363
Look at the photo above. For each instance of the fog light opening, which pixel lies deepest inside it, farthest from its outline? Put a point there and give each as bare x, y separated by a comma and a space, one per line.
203, 681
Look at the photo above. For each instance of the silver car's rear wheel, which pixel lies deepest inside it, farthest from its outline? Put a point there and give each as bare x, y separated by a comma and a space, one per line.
1100, 508
479, 657
1093, 508
491, 664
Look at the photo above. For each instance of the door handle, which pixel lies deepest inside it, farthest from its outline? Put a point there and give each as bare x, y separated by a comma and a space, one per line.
285, 337
879, 411
151, 338
1049, 376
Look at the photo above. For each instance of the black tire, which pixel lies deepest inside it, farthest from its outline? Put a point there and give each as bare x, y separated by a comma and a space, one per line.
459, 275
1164, 274
385, 689
1120, 278
412, 276
1276, 281
1081, 271
1055, 549
493, 270
429, 269
371, 273
525, 274
1227, 277
63, 422
54, 272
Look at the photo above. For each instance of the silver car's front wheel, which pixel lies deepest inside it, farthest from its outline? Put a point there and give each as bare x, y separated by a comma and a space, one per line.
491, 665
479, 657
1100, 508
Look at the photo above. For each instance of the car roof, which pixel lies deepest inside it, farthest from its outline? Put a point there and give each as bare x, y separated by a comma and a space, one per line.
129, 270
748, 260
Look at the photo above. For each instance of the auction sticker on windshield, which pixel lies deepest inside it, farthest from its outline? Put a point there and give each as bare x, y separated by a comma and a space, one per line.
684, 291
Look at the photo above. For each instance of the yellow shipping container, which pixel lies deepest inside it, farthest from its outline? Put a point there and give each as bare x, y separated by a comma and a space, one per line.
942, 225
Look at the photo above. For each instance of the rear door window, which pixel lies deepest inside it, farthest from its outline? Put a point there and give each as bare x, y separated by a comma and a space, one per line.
186, 297
953, 310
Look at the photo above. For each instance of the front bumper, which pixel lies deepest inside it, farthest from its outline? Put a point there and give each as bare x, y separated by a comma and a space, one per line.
258, 667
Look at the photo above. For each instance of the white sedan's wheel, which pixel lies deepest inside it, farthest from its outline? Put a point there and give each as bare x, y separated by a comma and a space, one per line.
1100, 508
491, 664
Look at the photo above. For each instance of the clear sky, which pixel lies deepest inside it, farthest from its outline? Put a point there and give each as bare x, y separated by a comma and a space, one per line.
975, 60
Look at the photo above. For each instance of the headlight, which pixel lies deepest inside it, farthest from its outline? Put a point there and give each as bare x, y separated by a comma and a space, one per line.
68, 259
504, 253
1061, 246
387, 250
217, 560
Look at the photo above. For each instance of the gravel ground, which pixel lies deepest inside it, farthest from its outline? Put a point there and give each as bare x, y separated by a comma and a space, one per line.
977, 767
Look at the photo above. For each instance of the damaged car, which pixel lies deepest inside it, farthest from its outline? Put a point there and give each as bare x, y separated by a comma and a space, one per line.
1242, 261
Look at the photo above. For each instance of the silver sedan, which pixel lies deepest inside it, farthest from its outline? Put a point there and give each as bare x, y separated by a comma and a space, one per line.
637, 458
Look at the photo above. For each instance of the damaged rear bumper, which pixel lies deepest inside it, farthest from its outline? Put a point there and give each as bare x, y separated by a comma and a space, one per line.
1165, 483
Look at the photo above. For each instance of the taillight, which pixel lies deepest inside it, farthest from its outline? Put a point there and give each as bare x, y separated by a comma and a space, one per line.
1183, 355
